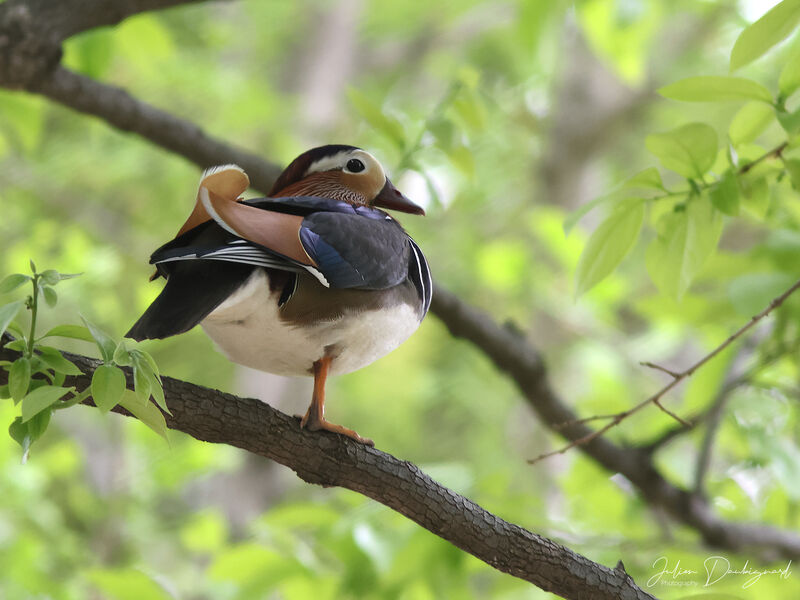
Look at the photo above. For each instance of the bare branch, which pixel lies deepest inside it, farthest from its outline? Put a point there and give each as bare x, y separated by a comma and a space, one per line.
332, 460
676, 379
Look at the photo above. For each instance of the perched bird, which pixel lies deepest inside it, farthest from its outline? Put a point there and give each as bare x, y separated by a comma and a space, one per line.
313, 280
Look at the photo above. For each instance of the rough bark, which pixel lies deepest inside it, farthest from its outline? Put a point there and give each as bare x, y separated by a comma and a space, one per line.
332, 460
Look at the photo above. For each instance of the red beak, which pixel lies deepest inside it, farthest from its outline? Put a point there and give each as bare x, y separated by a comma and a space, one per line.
391, 198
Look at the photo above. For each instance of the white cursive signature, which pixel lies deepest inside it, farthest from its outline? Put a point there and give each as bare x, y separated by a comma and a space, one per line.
718, 567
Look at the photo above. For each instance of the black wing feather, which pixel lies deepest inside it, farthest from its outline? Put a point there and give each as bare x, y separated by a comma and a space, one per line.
193, 290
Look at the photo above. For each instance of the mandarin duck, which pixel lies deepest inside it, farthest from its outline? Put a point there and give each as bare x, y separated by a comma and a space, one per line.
314, 279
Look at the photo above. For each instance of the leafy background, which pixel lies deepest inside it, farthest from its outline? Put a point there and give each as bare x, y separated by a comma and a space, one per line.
503, 118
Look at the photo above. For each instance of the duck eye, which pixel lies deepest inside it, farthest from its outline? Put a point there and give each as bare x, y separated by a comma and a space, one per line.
354, 165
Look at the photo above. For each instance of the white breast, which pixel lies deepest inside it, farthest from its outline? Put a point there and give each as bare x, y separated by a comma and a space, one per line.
248, 330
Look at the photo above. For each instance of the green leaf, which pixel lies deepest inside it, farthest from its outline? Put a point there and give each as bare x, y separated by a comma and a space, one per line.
7, 314
40, 399
121, 355
648, 178
762, 35
372, 113
146, 412
126, 584
715, 88
755, 195
793, 167
19, 378
577, 214
725, 194
689, 150
686, 240
609, 244
157, 391
104, 342
789, 79
141, 357
108, 386
32, 265
789, 121
141, 383
12, 282
56, 361
50, 296
19, 433
748, 123
75, 332
50, 277
5, 394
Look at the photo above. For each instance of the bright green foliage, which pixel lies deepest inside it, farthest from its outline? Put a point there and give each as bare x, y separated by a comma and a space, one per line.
509, 121
687, 237
35, 378
715, 88
689, 150
609, 244
762, 35
108, 384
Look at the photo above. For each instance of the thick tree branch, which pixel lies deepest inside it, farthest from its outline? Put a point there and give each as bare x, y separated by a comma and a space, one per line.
208, 417
332, 460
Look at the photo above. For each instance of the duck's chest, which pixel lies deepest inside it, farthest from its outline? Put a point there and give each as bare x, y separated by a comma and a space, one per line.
355, 327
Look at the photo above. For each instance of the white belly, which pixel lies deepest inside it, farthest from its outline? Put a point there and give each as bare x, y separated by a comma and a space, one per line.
248, 330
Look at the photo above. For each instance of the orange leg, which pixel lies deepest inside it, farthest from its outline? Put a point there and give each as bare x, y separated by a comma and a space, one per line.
314, 419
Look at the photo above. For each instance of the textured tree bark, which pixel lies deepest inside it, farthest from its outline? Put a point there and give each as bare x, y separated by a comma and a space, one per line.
31, 32
327, 459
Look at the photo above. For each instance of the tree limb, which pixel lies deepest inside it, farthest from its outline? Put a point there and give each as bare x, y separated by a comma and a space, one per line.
510, 352
332, 460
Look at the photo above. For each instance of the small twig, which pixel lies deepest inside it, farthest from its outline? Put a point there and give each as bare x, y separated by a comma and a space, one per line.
655, 398
660, 368
774, 153
664, 409
583, 421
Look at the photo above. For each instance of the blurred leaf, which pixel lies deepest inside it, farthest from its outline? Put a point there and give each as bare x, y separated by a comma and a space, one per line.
757, 38
127, 584
49, 277
577, 214
56, 361
90, 52
609, 244
749, 122
76, 332
789, 79
725, 194
751, 293
789, 121
40, 399
7, 314
121, 355
12, 282
689, 150
372, 113
50, 296
108, 385
205, 532
715, 88
755, 198
19, 378
146, 412
648, 178
468, 106
141, 384
104, 342
20, 434
793, 167
249, 563
686, 241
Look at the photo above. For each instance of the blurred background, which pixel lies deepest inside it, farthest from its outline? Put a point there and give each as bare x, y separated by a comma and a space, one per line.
501, 117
